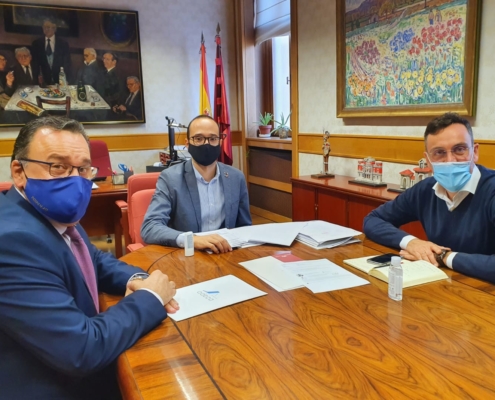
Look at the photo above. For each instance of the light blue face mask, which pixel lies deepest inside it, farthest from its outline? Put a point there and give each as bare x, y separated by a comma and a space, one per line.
452, 176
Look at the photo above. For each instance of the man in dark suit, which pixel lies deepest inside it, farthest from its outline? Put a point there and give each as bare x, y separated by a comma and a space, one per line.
91, 73
199, 195
132, 104
51, 53
54, 341
6, 82
26, 71
113, 86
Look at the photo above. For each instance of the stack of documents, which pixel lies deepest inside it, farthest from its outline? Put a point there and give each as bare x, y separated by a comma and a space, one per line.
317, 275
317, 234
324, 235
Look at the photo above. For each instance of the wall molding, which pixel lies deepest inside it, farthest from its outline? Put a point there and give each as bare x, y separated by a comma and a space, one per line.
134, 142
396, 149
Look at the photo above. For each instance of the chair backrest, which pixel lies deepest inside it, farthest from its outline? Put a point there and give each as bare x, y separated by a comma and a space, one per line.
5, 186
65, 103
100, 157
135, 184
136, 209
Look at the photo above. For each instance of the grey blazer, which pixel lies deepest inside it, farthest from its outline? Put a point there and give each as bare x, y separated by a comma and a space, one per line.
175, 206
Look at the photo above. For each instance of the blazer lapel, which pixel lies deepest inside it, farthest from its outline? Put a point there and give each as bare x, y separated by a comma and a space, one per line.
192, 186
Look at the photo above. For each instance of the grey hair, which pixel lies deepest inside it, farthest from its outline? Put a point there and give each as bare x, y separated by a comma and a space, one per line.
91, 51
136, 79
22, 50
25, 137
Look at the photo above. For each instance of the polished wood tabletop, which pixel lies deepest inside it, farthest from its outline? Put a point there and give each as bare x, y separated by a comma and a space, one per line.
437, 343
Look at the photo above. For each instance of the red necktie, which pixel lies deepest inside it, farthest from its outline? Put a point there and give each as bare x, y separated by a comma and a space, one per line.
83, 258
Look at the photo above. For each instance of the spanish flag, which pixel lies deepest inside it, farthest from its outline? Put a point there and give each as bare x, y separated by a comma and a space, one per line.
204, 92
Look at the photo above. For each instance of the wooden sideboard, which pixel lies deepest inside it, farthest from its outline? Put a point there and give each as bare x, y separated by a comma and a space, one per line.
337, 201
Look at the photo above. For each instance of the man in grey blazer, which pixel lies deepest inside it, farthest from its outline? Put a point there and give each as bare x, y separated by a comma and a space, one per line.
199, 195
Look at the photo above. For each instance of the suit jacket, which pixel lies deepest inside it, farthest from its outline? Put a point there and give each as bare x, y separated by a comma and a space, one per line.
92, 75
61, 58
175, 206
9, 91
113, 87
136, 107
23, 79
53, 343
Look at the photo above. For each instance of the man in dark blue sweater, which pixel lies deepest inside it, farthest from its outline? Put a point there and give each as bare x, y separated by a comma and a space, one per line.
456, 206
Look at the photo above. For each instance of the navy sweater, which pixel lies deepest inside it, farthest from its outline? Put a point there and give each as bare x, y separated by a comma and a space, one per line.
469, 229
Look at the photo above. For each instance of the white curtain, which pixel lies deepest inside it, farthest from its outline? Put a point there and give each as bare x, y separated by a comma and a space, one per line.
272, 18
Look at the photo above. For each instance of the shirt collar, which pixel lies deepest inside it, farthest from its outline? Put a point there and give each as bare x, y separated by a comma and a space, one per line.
199, 178
108, 70
469, 187
52, 39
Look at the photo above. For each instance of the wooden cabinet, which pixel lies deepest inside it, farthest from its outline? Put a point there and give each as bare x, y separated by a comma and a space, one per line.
337, 201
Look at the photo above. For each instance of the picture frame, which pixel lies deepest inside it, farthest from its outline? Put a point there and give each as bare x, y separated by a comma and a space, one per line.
98, 49
407, 57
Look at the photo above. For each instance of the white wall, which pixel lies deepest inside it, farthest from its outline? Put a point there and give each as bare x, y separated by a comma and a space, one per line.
317, 89
170, 33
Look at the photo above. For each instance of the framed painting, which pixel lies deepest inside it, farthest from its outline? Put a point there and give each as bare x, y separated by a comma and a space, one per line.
80, 62
407, 57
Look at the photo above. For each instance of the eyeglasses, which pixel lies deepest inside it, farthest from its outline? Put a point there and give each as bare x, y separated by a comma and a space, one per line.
199, 140
458, 151
60, 170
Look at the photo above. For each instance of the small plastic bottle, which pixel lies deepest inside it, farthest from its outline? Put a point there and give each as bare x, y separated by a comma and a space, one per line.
395, 279
62, 80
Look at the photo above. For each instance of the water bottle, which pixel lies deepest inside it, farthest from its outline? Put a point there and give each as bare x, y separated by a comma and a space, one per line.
395, 279
41, 81
81, 91
62, 80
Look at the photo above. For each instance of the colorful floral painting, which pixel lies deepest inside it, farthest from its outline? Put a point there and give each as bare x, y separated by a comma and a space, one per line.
403, 53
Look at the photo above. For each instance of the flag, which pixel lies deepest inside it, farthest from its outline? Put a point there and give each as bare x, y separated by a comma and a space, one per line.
204, 92
221, 107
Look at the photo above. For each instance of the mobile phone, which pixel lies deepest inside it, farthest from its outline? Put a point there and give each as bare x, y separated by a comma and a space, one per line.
383, 259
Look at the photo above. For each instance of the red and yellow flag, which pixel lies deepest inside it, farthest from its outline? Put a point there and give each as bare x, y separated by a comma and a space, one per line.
204, 92
221, 105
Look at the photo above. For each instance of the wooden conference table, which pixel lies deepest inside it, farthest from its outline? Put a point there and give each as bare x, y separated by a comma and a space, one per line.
438, 342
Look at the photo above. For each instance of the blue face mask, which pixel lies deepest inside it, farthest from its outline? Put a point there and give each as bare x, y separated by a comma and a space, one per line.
452, 176
63, 200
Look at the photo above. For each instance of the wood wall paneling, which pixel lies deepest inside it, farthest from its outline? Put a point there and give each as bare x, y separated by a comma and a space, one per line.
270, 199
396, 149
134, 142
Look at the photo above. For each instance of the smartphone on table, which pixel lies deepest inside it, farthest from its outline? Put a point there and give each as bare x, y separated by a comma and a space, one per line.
383, 259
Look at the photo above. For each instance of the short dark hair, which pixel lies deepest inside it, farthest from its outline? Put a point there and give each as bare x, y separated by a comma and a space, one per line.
199, 117
21, 145
440, 123
114, 56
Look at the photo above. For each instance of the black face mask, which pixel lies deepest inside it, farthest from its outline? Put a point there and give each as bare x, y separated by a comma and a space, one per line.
204, 155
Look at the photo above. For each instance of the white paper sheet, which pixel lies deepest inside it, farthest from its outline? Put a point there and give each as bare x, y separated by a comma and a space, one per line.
323, 275
272, 271
95, 186
283, 233
211, 295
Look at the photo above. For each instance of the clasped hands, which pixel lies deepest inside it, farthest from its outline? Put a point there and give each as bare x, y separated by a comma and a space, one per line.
418, 249
159, 283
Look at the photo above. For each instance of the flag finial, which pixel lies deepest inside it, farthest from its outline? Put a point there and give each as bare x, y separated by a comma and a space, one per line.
202, 38
218, 28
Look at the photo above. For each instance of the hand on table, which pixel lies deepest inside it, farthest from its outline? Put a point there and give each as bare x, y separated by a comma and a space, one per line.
215, 243
159, 283
418, 249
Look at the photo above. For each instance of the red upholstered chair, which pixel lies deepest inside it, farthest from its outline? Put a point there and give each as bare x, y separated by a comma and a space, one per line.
5, 186
136, 210
135, 183
100, 157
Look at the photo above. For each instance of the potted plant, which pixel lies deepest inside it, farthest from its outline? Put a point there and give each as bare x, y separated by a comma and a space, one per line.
282, 128
264, 124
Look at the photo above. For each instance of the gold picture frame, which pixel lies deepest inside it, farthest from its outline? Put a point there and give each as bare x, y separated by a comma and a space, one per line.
99, 93
407, 57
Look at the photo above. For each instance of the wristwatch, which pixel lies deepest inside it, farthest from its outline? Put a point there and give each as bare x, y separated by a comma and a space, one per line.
439, 258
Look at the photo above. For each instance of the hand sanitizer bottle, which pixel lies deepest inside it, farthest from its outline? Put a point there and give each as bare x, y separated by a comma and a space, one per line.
395, 279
